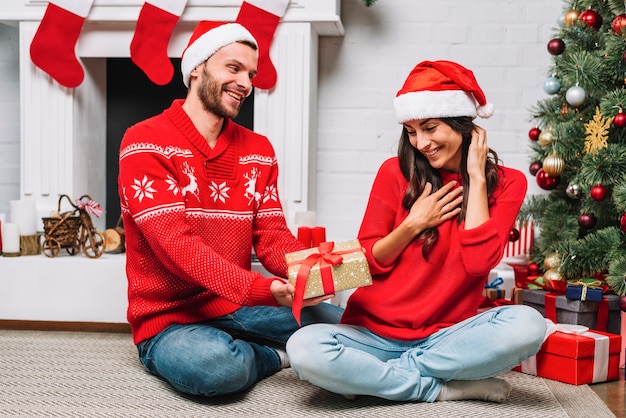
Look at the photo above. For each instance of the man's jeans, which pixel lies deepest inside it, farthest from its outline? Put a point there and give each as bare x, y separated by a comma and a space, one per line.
227, 354
354, 361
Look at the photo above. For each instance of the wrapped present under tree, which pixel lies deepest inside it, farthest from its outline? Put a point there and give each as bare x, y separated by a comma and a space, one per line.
577, 356
603, 316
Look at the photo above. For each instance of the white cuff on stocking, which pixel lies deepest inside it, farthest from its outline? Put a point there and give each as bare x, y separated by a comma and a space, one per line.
275, 7
174, 7
80, 8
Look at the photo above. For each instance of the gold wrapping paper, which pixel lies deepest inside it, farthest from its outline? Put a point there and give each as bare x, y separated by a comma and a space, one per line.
351, 273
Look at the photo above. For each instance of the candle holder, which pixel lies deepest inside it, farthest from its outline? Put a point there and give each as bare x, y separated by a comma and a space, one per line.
30, 244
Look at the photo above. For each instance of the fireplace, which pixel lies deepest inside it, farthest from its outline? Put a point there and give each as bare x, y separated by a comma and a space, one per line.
63, 140
63, 131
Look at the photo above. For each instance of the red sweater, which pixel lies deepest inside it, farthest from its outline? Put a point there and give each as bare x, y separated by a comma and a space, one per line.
414, 298
192, 215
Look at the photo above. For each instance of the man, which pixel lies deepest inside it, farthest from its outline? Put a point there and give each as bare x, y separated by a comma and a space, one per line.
198, 193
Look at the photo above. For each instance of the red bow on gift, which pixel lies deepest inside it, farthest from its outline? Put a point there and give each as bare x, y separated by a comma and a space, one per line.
326, 259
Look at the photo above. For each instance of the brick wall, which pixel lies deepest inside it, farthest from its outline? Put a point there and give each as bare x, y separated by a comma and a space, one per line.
503, 42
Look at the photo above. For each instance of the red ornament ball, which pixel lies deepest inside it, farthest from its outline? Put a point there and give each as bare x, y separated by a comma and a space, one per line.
598, 192
618, 24
619, 121
534, 167
556, 46
622, 222
533, 134
533, 269
587, 220
591, 18
514, 235
546, 181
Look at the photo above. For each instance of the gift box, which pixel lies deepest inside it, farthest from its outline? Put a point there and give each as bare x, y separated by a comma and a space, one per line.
506, 275
518, 296
576, 358
350, 271
494, 293
603, 316
584, 292
326, 269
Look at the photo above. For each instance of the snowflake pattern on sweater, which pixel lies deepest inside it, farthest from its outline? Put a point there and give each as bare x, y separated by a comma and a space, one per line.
192, 215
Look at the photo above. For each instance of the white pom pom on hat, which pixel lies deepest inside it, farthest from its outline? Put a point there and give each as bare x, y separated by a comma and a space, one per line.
440, 89
207, 38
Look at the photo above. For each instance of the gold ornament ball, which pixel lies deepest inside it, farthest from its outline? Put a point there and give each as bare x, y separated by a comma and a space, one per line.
552, 275
553, 165
546, 137
552, 261
570, 17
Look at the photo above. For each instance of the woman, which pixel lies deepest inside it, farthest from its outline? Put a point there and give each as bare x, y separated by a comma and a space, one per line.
437, 221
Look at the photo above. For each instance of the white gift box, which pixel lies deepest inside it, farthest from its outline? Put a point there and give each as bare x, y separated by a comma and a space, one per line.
507, 274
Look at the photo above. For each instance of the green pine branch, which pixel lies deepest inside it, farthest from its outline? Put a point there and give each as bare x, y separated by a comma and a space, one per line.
594, 153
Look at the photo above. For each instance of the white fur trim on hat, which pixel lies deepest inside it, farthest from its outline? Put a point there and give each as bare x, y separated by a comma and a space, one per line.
209, 43
434, 104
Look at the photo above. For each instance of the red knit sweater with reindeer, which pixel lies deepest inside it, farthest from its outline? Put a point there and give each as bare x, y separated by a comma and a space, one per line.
192, 216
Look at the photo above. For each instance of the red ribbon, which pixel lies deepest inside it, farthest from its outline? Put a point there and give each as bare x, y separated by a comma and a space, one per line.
326, 258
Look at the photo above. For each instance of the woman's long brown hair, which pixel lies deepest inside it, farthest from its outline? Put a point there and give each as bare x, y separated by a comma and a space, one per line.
418, 171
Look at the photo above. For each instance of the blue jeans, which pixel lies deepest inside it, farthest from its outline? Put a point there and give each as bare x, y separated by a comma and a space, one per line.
228, 354
354, 361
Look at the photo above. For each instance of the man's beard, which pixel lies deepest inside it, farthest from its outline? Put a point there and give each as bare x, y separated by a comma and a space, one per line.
210, 94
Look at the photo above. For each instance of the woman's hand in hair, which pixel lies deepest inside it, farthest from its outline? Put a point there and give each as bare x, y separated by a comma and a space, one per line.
477, 211
477, 154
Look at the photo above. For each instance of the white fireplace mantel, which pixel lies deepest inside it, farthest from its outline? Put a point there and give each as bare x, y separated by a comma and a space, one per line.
63, 131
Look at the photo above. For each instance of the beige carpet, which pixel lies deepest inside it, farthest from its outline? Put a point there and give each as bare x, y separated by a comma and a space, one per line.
67, 374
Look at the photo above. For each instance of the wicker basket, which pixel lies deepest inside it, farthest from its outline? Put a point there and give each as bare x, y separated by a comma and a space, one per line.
64, 229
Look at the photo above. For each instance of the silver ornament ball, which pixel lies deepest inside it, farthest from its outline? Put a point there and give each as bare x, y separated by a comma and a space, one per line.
552, 85
575, 95
574, 191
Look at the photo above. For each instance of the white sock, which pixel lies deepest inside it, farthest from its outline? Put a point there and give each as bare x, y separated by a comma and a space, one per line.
284, 359
491, 390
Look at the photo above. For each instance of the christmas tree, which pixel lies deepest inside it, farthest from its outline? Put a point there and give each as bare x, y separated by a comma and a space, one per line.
578, 148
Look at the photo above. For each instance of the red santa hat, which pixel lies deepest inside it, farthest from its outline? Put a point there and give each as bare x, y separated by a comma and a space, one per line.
207, 38
440, 89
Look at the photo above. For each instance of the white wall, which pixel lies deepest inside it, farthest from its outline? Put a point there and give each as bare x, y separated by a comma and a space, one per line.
503, 42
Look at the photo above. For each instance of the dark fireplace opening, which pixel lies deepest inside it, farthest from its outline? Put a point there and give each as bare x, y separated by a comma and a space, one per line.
131, 98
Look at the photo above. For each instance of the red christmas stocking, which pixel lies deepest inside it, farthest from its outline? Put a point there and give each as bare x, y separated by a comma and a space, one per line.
52, 48
261, 18
148, 49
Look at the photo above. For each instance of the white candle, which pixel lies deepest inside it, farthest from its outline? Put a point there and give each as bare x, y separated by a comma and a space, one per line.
24, 213
10, 238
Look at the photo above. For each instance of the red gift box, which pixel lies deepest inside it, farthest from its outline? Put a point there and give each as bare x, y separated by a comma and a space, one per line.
578, 359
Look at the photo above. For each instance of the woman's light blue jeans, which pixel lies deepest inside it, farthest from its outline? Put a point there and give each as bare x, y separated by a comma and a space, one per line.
354, 361
228, 354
